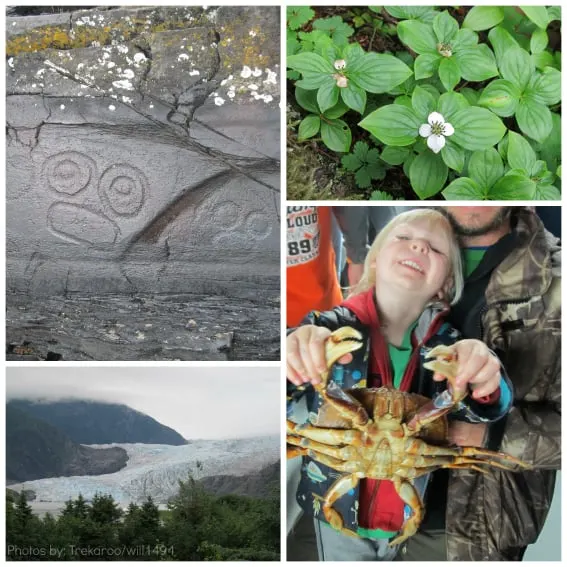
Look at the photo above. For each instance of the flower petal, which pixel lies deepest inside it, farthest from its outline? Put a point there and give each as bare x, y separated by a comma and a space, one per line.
425, 130
435, 117
436, 143
448, 129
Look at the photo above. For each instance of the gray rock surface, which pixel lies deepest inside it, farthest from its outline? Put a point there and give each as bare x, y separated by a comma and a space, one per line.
142, 159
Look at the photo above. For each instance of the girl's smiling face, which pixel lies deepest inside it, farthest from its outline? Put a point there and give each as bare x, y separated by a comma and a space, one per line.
415, 257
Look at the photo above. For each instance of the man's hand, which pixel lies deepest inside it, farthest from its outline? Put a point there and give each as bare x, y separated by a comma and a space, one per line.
466, 434
478, 368
305, 354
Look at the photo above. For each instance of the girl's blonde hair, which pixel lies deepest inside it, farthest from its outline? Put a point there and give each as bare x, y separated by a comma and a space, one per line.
368, 279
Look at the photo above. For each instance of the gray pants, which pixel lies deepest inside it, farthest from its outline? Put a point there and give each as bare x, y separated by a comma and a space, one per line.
334, 546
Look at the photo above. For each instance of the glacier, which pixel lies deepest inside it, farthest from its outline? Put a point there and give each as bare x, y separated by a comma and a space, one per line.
155, 470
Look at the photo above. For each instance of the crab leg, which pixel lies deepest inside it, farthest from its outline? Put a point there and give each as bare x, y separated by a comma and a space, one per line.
410, 496
326, 435
339, 488
347, 453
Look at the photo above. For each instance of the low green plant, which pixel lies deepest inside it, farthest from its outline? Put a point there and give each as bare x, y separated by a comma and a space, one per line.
452, 88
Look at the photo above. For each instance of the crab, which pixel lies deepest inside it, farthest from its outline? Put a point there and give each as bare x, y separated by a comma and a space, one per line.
385, 434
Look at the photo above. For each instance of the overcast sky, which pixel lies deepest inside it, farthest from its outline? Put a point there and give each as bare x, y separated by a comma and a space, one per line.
199, 403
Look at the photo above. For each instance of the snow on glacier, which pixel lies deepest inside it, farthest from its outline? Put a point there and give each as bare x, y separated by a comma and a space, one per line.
155, 470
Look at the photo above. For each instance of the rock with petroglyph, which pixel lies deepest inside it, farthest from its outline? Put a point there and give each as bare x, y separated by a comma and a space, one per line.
143, 151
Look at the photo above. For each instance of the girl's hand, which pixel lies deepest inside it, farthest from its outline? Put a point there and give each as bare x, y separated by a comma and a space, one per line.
305, 354
478, 368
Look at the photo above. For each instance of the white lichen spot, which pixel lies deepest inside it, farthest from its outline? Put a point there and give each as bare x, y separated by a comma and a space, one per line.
62, 107
11, 62
194, 72
95, 44
182, 57
219, 101
257, 72
111, 64
80, 66
111, 107
128, 74
122, 49
252, 33
126, 85
272, 78
246, 72
139, 57
126, 100
140, 336
34, 85
253, 87
231, 92
151, 105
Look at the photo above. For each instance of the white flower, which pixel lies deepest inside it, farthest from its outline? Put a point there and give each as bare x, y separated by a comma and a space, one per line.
339, 64
342, 81
436, 131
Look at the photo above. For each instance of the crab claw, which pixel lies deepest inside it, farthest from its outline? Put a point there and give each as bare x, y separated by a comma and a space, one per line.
445, 363
341, 342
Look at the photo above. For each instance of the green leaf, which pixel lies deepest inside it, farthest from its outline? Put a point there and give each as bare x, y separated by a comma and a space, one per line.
534, 119
545, 87
537, 14
486, 167
520, 153
445, 27
327, 95
362, 178
500, 96
336, 135
449, 73
378, 72
547, 192
354, 97
465, 39
338, 30
310, 63
417, 36
423, 13
312, 81
423, 103
337, 111
308, 127
428, 174
315, 40
513, 187
307, 100
501, 42
393, 125
483, 17
380, 196
517, 67
297, 16
464, 189
543, 60
404, 100
407, 164
477, 128
538, 41
395, 155
477, 63
550, 149
292, 45
361, 150
351, 162
554, 13
426, 65
453, 156
471, 95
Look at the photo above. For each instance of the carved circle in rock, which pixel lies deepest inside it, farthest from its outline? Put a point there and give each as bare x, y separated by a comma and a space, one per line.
226, 214
124, 189
68, 172
257, 225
